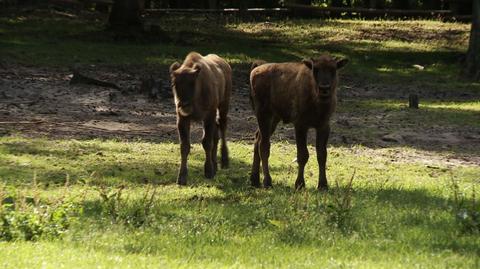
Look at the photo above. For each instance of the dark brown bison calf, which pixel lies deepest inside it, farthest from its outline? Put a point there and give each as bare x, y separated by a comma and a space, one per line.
302, 93
202, 87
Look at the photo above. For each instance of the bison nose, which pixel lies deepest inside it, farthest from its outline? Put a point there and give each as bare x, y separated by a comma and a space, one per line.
325, 89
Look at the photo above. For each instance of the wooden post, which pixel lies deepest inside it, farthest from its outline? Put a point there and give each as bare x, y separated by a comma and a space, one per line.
413, 101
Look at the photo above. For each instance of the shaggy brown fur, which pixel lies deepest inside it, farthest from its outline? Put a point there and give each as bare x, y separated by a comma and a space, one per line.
202, 88
302, 93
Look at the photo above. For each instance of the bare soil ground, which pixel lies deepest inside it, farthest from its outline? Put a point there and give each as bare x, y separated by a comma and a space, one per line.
40, 102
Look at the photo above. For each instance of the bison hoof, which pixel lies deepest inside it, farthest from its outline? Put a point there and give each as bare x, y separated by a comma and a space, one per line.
267, 182
255, 180
209, 170
224, 163
299, 184
323, 187
209, 174
182, 181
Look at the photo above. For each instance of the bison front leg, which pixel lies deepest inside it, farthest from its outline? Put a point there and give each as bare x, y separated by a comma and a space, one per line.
183, 126
302, 155
321, 146
209, 127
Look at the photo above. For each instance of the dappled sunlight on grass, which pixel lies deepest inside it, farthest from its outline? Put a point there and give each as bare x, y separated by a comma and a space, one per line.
455, 113
472, 106
385, 48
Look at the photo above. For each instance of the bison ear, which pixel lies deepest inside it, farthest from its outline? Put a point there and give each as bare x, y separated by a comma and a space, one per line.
257, 63
195, 69
341, 63
174, 66
308, 63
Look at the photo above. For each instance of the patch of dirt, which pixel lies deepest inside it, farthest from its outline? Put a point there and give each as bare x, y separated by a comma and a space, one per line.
40, 102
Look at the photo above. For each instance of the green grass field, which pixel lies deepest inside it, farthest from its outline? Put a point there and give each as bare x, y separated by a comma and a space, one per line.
402, 214
113, 203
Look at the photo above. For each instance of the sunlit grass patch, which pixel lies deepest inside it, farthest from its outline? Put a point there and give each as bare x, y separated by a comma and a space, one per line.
377, 48
431, 112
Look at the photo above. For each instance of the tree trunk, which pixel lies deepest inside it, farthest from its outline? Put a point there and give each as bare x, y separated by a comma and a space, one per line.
378, 4
473, 55
125, 13
179, 3
401, 4
212, 4
337, 3
432, 4
301, 2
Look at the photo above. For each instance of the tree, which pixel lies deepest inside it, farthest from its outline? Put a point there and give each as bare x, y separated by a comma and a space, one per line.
432, 4
337, 3
379, 4
125, 14
472, 69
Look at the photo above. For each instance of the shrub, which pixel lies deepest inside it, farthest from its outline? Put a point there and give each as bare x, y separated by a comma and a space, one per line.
35, 221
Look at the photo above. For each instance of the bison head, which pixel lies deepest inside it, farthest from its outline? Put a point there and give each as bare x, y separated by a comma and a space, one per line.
183, 86
324, 71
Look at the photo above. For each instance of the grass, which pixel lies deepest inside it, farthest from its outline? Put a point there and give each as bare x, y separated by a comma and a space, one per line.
401, 213
129, 213
386, 49
456, 114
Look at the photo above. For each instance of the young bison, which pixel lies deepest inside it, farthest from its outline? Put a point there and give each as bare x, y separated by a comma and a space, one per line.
202, 87
301, 93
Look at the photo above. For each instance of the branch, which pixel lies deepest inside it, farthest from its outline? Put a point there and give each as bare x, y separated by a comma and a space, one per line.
81, 79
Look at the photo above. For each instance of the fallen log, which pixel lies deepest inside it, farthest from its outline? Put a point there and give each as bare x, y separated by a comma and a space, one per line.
81, 79
301, 10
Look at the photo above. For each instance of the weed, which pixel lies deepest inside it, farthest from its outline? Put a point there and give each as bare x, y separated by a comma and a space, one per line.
129, 211
26, 218
137, 212
467, 213
111, 200
339, 210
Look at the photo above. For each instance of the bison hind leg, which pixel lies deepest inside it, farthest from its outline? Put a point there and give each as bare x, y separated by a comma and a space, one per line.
225, 162
222, 126
255, 174
266, 131
215, 148
208, 141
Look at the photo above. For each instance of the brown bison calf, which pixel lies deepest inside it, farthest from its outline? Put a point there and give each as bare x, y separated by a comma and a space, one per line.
202, 87
302, 93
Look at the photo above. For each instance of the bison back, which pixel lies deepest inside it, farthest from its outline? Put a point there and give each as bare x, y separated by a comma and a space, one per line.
280, 88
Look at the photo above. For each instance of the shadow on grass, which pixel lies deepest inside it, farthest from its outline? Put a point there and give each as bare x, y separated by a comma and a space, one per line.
245, 212
437, 127
76, 41
46, 40
100, 165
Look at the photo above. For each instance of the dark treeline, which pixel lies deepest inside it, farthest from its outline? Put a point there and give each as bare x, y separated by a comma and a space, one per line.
458, 6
